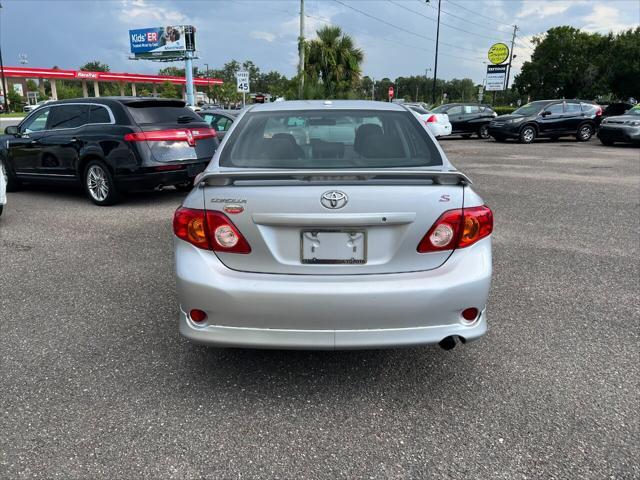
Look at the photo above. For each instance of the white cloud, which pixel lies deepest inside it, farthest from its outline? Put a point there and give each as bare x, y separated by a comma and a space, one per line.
543, 9
604, 18
267, 36
138, 11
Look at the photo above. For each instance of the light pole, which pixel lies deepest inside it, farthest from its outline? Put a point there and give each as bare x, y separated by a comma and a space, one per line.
208, 86
435, 66
4, 81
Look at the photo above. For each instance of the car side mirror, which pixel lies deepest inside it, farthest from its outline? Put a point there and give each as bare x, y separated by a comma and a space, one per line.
11, 130
546, 113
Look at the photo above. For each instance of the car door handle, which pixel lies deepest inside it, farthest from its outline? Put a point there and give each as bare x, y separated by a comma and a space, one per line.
33, 142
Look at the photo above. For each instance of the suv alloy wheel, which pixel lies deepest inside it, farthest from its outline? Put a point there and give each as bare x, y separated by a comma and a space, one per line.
527, 134
99, 184
585, 132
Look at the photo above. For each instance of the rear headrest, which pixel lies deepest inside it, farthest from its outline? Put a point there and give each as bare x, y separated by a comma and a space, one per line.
364, 133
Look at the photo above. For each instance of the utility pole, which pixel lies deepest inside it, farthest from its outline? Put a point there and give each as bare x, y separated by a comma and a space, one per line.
435, 66
301, 51
4, 81
513, 41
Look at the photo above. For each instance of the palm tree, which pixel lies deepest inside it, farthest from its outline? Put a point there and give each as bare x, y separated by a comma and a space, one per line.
333, 59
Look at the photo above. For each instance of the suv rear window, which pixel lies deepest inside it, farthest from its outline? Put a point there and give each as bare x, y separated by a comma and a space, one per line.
330, 139
162, 112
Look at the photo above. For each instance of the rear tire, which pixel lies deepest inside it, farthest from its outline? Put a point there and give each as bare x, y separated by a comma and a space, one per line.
483, 132
13, 184
585, 132
99, 185
527, 134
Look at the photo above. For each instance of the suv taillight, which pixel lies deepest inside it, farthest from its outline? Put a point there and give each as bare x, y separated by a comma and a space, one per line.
599, 112
209, 230
431, 119
189, 135
458, 228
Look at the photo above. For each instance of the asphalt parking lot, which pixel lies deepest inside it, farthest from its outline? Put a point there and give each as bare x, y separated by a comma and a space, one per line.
95, 381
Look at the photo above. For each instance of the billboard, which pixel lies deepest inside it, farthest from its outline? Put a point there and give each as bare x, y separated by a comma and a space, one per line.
498, 53
162, 42
496, 75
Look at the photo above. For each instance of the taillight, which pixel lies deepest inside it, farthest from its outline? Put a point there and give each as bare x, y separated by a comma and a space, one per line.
458, 228
190, 225
189, 135
599, 112
225, 237
431, 119
209, 231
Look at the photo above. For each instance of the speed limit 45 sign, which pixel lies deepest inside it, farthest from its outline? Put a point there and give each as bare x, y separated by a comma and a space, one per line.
242, 81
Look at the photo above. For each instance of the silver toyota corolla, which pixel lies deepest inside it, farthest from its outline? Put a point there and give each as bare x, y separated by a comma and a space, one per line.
332, 225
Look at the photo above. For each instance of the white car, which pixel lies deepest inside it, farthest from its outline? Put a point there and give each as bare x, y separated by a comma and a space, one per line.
3, 187
438, 123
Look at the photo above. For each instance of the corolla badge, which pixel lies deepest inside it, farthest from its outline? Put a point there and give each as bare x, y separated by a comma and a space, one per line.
334, 199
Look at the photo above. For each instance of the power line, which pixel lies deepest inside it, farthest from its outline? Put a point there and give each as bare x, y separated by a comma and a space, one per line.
386, 39
441, 22
481, 15
401, 28
454, 16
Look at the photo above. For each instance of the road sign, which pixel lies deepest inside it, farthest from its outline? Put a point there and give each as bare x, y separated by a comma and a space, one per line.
496, 75
498, 53
242, 81
391, 91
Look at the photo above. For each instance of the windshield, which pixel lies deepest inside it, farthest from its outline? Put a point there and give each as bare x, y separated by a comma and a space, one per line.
532, 108
329, 139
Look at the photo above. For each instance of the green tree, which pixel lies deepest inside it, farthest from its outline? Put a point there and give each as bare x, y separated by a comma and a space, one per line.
171, 72
95, 66
169, 90
623, 76
333, 60
567, 63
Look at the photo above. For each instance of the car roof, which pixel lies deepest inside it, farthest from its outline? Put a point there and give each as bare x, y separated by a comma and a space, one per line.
121, 100
301, 105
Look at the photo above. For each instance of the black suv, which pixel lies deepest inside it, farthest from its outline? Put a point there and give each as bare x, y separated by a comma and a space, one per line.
108, 145
548, 118
468, 118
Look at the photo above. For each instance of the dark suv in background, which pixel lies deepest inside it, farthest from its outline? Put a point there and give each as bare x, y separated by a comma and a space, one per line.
549, 119
108, 145
468, 118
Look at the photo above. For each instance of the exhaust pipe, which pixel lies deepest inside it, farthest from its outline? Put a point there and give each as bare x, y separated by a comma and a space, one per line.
448, 343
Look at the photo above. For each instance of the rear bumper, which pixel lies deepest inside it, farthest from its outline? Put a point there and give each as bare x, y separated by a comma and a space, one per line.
152, 179
221, 336
332, 311
440, 130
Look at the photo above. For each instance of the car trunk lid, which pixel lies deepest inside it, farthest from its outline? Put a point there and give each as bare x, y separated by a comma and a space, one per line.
333, 222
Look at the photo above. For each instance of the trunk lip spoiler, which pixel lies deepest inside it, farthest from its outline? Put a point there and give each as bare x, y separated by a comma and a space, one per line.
227, 177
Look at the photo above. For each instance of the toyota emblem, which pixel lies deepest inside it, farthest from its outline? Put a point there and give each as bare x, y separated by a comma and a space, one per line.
334, 199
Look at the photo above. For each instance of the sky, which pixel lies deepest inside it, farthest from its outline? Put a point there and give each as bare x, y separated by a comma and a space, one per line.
397, 36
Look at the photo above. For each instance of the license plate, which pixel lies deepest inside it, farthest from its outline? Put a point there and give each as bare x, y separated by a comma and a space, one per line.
194, 169
333, 246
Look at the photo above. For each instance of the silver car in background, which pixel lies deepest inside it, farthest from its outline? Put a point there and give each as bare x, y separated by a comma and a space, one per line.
332, 225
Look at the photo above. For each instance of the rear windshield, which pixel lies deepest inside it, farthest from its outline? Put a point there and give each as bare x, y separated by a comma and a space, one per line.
330, 139
145, 113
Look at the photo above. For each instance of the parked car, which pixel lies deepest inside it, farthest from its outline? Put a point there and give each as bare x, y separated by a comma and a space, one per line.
438, 123
219, 120
468, 118
3, 187
108, 145
332, 224
548, 119
623, 128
